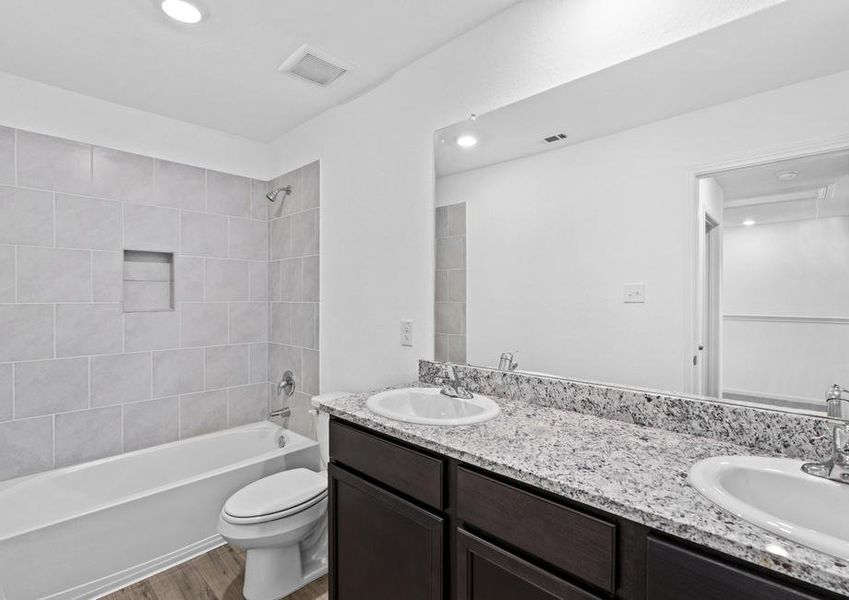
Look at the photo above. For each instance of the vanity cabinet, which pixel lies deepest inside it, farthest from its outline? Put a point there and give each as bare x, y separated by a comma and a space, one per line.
408, 524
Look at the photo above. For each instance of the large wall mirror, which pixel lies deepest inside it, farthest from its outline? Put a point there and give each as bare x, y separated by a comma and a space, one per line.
676, 222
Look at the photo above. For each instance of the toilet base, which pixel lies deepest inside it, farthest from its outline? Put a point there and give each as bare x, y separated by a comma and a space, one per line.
272, 573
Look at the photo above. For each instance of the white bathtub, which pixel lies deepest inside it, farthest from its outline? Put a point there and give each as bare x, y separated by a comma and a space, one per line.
87, 530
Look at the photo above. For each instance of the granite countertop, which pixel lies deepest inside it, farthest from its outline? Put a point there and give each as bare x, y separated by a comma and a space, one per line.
638, 473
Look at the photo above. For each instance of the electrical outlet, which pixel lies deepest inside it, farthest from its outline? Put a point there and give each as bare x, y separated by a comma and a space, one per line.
406, 333
635, 293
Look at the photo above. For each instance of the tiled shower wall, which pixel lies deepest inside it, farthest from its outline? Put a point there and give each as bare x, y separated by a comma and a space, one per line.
293, 275
450, 306
79, 377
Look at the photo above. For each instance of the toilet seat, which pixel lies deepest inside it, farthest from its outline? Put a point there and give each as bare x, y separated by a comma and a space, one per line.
280, 495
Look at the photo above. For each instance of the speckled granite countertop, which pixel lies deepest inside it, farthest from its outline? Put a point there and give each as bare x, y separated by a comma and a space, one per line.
638, 473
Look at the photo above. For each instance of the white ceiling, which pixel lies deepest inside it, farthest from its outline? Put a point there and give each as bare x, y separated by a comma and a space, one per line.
223, 73
779, 46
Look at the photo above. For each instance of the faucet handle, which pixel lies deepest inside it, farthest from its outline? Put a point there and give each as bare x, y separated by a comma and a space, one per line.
840, 436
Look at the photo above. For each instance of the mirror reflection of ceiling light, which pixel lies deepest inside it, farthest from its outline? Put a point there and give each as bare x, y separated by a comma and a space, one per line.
749, 222
787, 175
182, 11
467, 141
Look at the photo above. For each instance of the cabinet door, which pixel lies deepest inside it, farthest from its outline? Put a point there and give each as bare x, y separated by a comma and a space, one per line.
381, 547
487, 572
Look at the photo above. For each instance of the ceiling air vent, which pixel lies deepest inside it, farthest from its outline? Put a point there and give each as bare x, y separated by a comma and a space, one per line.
556, 138
314, 66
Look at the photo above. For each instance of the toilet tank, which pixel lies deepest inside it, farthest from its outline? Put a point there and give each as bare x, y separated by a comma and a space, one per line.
322, 423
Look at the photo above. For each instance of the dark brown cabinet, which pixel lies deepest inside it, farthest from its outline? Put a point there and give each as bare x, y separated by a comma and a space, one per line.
382, 546
409, 524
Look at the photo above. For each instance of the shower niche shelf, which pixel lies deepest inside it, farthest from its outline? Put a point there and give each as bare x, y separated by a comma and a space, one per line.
148, 281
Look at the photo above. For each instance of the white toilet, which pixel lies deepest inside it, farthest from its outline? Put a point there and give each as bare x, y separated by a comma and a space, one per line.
281, 521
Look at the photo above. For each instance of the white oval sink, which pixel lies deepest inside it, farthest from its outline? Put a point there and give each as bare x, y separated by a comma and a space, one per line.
774, 494
426, 406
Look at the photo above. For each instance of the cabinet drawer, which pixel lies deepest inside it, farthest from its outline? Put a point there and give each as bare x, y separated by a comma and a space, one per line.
487, 572
578, 543
675, 573
413, 473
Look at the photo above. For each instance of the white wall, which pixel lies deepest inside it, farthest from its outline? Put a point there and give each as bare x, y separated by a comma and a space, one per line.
552, 238
796, 268
33, 106
377, 159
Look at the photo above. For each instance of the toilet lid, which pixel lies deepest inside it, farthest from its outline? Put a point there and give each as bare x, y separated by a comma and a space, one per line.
277, 493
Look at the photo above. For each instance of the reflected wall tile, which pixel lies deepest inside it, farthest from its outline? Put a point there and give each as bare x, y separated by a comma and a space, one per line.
203, 324
247, 238
259, 363
202, 234
203, 413
83, 329
107, 270
303, 325
26, 447
120, 378
259, 203
151, 423
310, 183
151, 331
52, 163
7, 156
226, 280
151, 228
258, 280
6, 392
88, 435
27, 332
310, 279
180, 186
7, 274
228, 194
122, 175
50, 386
177, 372
51, 275
247, 404
188, 279
248, 322
26, 217
227, 366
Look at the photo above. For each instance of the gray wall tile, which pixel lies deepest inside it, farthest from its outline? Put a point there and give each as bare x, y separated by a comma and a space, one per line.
188, 279
259, 362
26, 447
310, 182
291, 279
151, 331
227, 366
52, 163
203, 235
305, 233
291, 203
6, 392
88, 223
301, 421
106, 276
151, 423
441, 347
177, 372
228, 194
203, 324
89, 329
310, 375
284, 358
7, 274
122, 176
451, 253
226, 280
120, 378
441, 222
7, 155
26, 217
281, 238
151, 228
449, 317
87, 435
259, 203
50, 386
281, 323
203, 413
303, 325
151, 296
456, 286
247, 238
275, 283
27, 332
258, 273
51, 275
248, 404
441, 286
457, 348
248, 322
457, 219
310, 279
180, 186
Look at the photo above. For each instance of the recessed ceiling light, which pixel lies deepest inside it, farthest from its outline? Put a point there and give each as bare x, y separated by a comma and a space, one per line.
182, 11
749, 222
787, 175
467, 141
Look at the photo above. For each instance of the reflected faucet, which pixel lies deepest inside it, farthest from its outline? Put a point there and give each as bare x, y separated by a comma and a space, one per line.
834, 402
506, 362
451, 385
835, 468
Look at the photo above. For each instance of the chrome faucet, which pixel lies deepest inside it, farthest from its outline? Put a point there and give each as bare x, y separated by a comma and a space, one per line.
506, 362
451, 385
834, 402
835, 468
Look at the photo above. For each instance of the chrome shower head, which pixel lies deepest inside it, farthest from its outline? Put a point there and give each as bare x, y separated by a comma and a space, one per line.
272, 196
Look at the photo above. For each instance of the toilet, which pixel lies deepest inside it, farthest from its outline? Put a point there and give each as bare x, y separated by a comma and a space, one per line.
281, 522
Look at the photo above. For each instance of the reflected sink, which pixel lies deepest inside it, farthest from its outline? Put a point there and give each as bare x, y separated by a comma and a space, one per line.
774, 494
426, 406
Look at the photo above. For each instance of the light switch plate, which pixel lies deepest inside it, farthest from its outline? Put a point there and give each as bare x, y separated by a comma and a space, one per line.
406, 333
635, 293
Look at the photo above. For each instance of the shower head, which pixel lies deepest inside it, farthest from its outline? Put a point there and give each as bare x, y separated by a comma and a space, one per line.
272, 196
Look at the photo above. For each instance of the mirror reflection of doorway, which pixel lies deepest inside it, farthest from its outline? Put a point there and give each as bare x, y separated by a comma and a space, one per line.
772, 314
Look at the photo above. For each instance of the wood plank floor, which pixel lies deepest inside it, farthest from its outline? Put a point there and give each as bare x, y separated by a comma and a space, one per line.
216, 575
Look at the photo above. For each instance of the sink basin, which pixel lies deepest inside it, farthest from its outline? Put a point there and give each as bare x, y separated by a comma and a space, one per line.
774, 494
426, 406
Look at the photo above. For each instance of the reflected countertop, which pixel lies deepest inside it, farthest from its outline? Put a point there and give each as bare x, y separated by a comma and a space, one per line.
635, 472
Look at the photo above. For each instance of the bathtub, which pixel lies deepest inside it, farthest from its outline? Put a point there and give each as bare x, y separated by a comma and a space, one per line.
90, 529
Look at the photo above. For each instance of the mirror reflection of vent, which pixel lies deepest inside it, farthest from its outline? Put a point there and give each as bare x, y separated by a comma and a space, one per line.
315, 66
556, 138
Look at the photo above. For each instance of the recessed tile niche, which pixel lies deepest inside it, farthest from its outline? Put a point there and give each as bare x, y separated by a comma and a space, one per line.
148, 281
